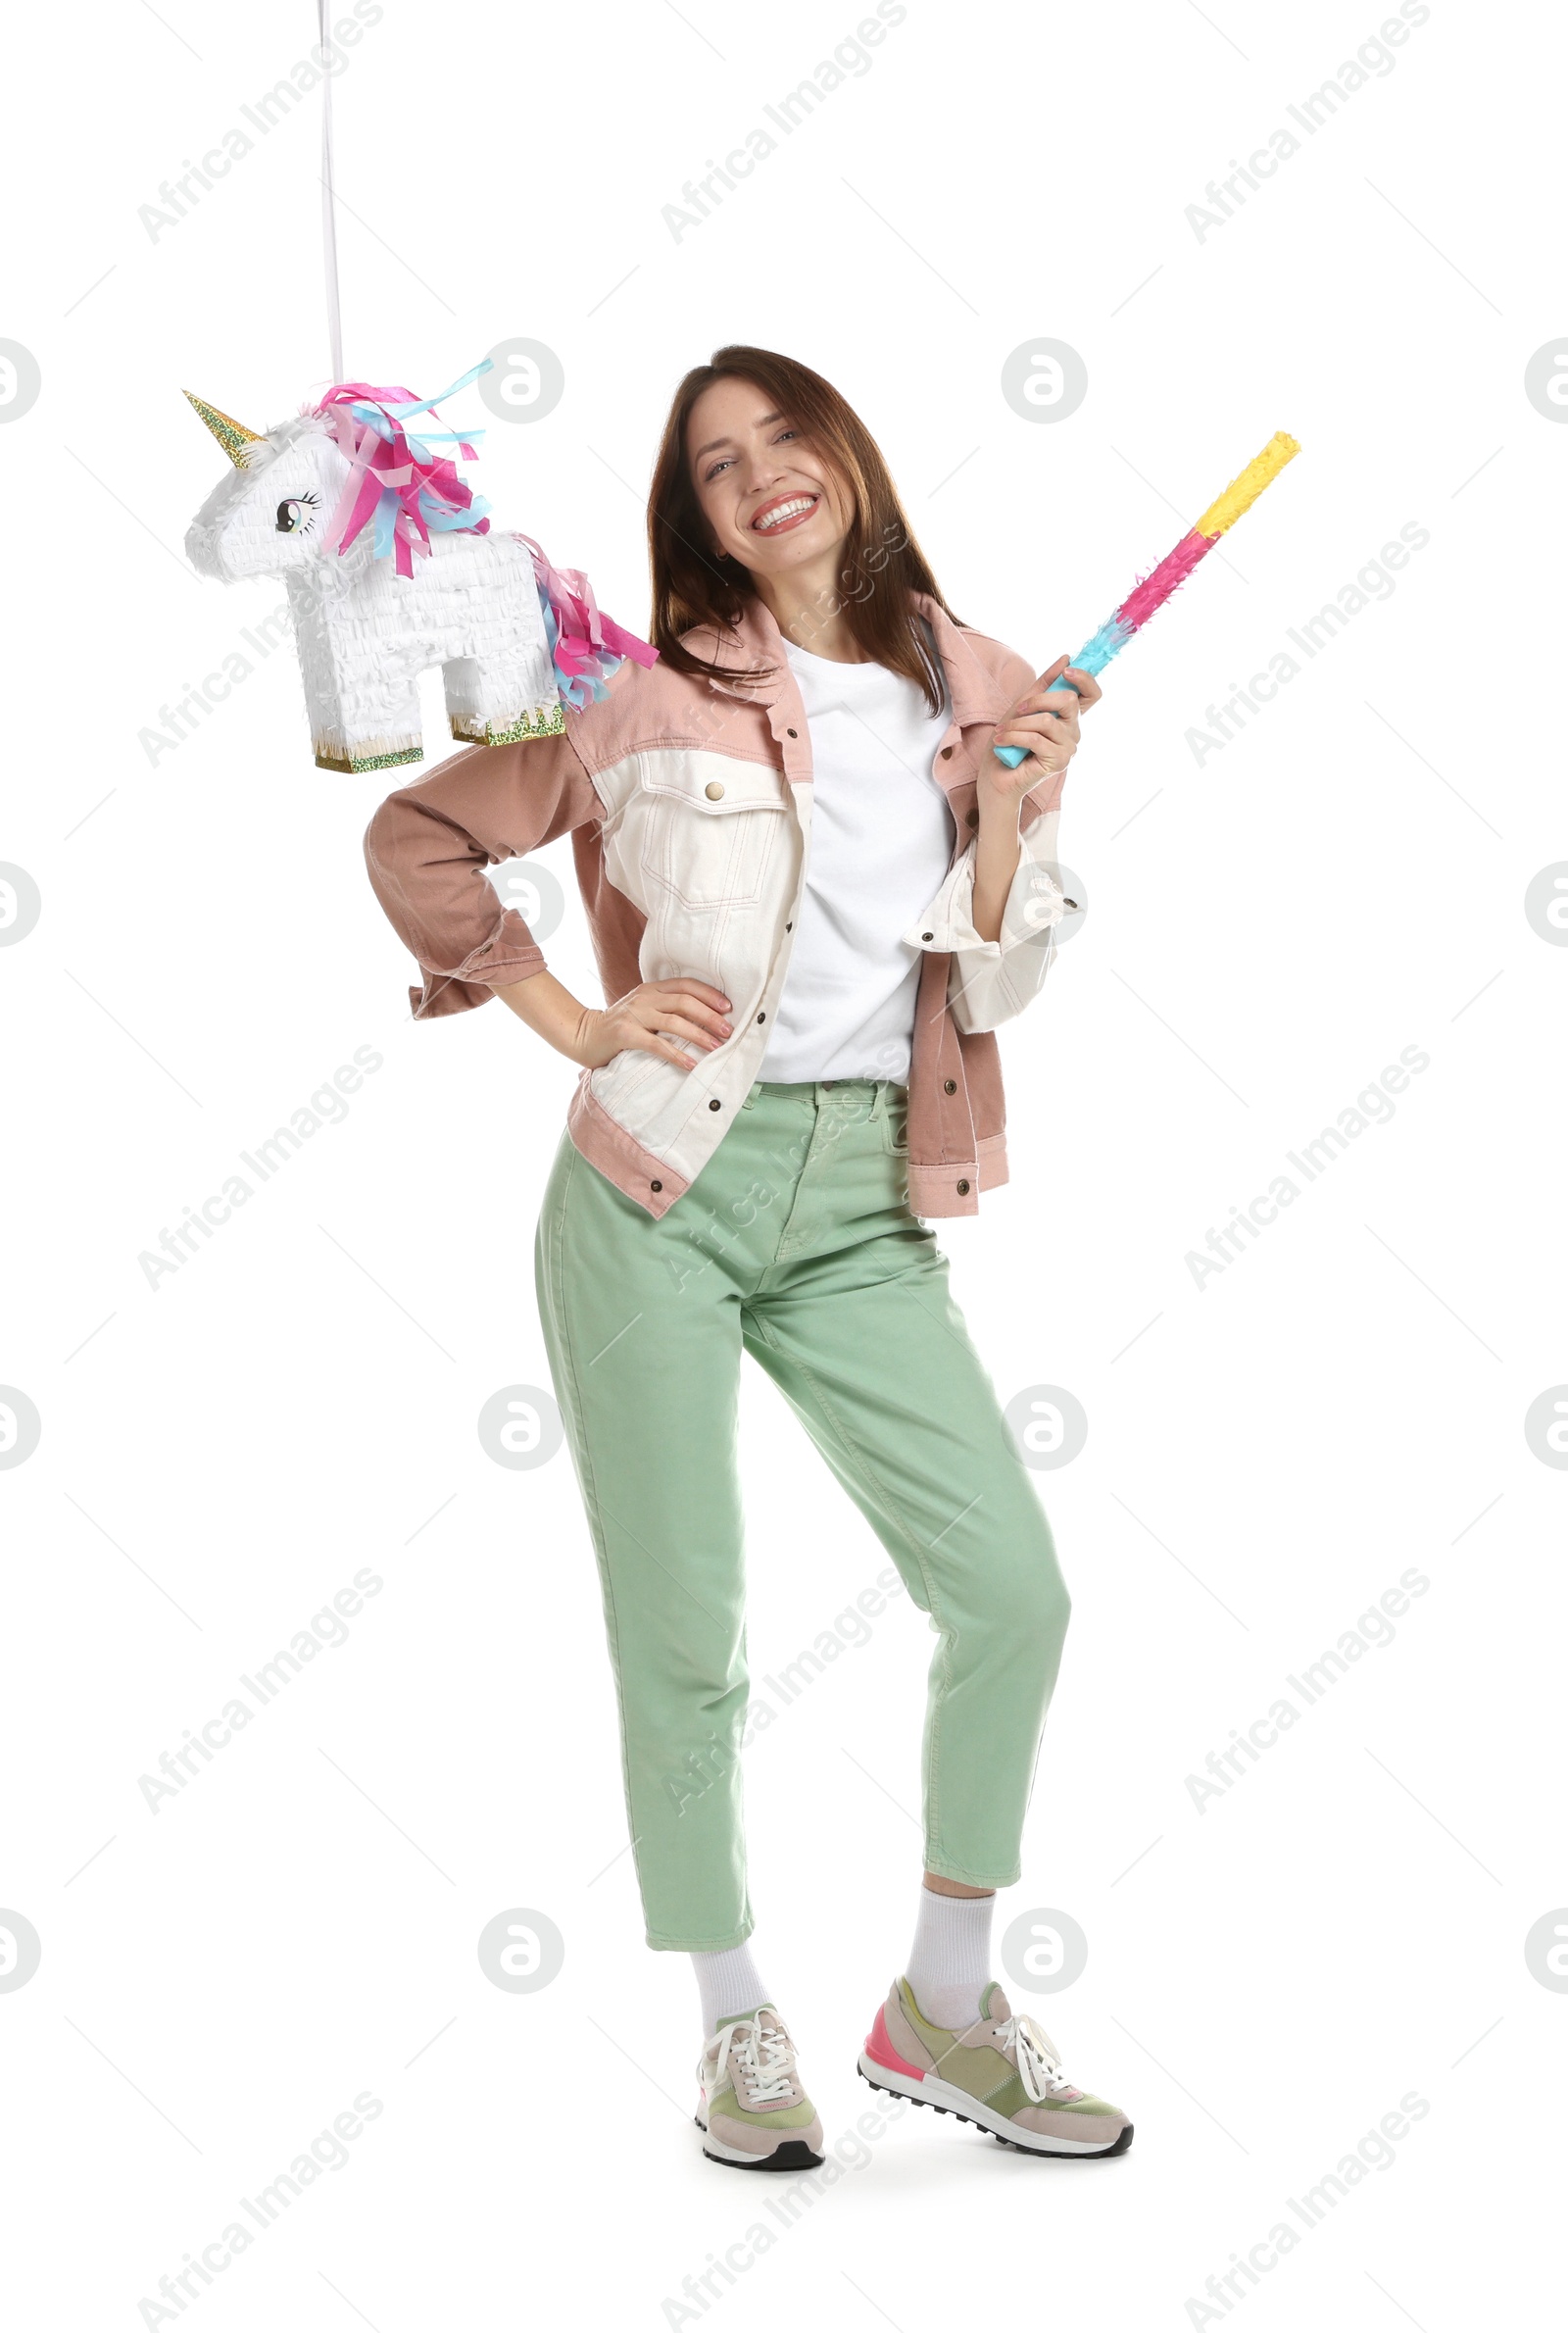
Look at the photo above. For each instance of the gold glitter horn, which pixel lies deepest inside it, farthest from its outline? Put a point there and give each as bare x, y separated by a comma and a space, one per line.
232, 435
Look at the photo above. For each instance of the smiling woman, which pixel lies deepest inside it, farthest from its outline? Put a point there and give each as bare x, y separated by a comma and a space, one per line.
768, 472
815, 893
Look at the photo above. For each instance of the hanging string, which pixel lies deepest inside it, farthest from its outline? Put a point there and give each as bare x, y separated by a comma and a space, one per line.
334, 320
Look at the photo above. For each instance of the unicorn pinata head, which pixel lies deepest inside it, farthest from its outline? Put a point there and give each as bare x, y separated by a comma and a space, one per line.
347, 475
269, 516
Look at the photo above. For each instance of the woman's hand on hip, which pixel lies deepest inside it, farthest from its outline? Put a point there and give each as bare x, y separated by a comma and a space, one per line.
1044, 722
649, 1018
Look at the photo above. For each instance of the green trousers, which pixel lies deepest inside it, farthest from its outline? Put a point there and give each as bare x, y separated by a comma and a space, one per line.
794, 1244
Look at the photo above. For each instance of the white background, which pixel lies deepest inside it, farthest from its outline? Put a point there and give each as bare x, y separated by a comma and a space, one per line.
1346, 1925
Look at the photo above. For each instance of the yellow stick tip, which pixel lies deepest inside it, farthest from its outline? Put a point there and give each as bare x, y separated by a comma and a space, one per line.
1243, 491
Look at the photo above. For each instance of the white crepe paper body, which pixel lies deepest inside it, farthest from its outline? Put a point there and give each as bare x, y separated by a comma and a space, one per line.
515, 638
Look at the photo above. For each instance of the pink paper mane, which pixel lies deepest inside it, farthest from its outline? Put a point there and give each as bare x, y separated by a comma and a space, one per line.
395, 479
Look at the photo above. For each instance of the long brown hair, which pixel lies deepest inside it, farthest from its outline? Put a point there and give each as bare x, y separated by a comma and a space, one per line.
694, 583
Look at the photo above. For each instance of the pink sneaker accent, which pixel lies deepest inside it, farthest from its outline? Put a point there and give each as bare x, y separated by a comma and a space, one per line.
879, 2047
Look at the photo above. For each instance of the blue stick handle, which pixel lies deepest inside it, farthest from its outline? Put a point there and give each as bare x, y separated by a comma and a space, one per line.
1013, 755
1092, 658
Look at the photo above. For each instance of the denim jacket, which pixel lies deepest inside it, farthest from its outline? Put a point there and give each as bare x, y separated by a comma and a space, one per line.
688, 801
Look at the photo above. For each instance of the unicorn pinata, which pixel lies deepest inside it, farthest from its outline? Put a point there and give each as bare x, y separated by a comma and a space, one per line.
391, 567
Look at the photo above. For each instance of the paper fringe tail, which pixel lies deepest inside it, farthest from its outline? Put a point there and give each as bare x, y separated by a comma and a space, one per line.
585, 644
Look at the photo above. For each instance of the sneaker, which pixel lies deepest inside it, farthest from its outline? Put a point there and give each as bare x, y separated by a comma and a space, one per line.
752, 2111
1002, 2073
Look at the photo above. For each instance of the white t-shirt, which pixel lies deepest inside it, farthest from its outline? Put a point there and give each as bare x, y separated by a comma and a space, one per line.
881, 844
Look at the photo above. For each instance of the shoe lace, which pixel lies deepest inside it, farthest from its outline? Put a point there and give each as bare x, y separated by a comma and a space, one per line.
1039, 2063
764, 2054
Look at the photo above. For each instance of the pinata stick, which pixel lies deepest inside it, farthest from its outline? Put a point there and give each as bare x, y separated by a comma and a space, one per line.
1156, 589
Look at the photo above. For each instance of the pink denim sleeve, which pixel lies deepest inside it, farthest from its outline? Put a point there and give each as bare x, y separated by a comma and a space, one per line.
428, 848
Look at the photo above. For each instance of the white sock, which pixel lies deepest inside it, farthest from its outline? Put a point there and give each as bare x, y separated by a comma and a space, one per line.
950, 1961
729, 1985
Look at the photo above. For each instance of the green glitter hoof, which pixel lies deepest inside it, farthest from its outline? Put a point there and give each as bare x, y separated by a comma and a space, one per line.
550, 722
352, 768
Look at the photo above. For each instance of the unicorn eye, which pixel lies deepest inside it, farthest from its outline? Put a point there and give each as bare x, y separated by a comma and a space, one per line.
296, 515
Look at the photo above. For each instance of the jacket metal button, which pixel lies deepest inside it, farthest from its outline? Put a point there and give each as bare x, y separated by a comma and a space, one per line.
947, 753
928, 935
789, 928
792, 732
950, 1085
761, 1017
656, 1186
715, 1105
713, 789
963, 1184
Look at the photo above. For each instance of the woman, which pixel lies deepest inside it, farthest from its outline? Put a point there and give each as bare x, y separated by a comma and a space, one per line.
815, 891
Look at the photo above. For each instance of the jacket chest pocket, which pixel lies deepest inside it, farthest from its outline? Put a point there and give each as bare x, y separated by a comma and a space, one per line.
709, 828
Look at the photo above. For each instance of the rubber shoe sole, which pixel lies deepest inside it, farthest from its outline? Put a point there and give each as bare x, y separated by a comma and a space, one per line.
948, 2099
792, 2155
